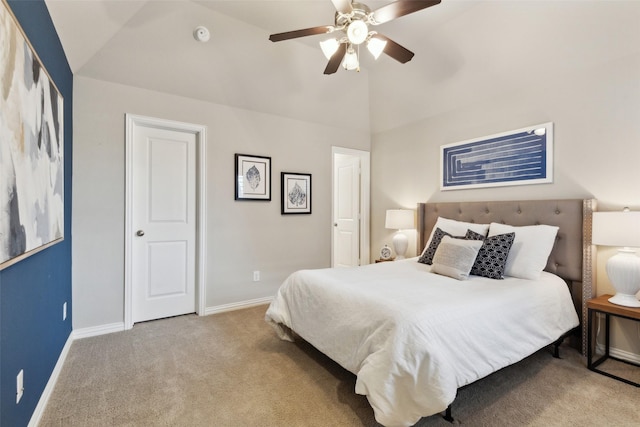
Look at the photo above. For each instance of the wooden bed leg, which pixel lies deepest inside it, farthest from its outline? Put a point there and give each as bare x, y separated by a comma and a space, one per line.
447, 414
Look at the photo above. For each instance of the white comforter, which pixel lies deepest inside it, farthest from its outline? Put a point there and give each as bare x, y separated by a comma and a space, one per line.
413, 337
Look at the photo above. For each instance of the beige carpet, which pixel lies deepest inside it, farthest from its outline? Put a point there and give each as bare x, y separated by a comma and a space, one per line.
230, 369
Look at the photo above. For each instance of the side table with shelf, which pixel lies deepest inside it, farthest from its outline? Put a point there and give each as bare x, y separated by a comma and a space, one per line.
602, 305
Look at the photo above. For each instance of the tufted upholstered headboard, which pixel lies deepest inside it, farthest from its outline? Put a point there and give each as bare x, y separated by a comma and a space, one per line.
571, 254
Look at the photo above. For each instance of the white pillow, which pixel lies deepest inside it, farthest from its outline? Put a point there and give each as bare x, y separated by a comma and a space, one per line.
530, 250
455, 257
456, 228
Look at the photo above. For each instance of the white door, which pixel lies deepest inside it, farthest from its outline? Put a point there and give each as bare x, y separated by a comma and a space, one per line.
346, 211
163, 220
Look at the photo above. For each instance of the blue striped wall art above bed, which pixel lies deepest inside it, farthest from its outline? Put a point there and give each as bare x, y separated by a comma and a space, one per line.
518, 157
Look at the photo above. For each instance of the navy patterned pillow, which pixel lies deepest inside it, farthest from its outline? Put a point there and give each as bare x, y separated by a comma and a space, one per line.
472, 235
427, 255
492, 257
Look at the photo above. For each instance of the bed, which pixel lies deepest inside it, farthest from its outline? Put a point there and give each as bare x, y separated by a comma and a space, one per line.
413, 337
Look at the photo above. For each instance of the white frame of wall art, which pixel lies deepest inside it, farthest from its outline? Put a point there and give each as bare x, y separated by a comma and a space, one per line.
31, 148
296, 193
252, 177
517, 157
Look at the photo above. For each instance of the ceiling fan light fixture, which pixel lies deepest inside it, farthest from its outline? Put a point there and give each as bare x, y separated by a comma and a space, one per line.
376, 46
350, 62
352, 20
329, 47
357, 32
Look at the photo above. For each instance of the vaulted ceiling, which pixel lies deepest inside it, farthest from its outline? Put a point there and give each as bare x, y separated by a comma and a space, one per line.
465, 50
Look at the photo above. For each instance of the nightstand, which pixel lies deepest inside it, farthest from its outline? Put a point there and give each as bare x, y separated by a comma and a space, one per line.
384, 260
602, 305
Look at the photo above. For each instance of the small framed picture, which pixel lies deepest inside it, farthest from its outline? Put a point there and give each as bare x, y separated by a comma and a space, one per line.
296, 193
253, 177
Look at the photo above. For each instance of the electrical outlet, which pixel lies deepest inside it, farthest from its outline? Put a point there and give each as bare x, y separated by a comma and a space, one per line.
256, 276
19, 385
64, 311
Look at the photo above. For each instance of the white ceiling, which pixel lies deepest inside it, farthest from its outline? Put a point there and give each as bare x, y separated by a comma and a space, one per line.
465, 50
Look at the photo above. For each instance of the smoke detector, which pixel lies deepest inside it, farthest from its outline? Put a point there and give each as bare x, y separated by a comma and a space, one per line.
201, 34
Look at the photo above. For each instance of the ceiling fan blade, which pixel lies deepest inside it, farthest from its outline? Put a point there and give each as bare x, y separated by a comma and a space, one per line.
301, 33
336, 59
401, 8
342, 6
394, 50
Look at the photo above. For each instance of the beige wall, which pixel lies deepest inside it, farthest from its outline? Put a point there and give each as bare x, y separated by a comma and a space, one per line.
595, 112
241, 236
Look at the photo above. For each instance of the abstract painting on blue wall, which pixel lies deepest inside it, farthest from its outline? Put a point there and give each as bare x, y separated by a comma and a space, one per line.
31, 148
518, 157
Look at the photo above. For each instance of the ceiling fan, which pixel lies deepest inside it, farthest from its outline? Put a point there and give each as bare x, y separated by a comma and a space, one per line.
353, 20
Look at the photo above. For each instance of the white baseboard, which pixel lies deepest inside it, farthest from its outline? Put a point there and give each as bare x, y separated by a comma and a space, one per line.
48, 389
98, 330
625, 355
119, 326
237, 305
620, 354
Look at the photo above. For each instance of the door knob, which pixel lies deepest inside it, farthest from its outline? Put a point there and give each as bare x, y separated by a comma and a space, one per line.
335, 224
140, 233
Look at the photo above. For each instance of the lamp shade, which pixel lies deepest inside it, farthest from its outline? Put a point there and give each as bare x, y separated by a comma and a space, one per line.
350, 61
376, 46
616, 229
399, 219
329, 47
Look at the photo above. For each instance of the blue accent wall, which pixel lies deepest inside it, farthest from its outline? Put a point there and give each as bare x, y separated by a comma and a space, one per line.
32, 291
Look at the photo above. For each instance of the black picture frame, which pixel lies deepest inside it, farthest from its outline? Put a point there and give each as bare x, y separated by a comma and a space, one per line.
295, 193
252, 177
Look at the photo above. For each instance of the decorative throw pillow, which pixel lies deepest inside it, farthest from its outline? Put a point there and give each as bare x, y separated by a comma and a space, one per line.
436, 238
472, 235
530, 250
492, 256
455, 257
455, 228
430, 250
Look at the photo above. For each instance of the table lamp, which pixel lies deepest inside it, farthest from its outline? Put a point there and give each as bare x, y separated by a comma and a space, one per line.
400, 219
620, 229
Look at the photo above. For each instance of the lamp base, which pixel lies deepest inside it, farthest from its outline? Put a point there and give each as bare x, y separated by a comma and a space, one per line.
400, 244
623, 270
625, 300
